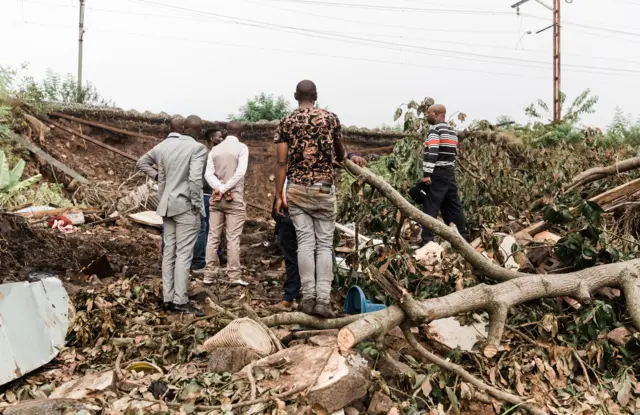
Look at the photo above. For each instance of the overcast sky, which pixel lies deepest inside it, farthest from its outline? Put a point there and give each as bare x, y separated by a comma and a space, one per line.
366, 56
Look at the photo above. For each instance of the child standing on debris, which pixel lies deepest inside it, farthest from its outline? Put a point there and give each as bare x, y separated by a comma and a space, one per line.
180, 161
226, 167
440, 152
308, 141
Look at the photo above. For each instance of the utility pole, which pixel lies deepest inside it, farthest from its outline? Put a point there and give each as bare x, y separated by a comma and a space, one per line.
557, 104
80, 40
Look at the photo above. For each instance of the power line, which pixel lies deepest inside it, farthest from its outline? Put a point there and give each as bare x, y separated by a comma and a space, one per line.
306, 53
342, 19
262, 3
371, 42
382, 44
446, 11
395, 8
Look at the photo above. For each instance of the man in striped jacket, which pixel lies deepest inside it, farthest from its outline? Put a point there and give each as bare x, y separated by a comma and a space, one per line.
439, 166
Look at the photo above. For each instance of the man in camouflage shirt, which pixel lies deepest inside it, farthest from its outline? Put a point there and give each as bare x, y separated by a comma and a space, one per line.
308, 141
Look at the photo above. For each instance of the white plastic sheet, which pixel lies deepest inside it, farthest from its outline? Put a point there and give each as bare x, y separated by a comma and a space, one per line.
34, 318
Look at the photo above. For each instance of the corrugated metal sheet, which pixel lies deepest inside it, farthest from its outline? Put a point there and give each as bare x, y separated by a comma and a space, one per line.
33, 325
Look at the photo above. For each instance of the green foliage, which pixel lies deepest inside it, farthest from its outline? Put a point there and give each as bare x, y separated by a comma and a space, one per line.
6, 80
262, 107
58, 89
585, 245
395, 127
623, 130
10, 183
583, 104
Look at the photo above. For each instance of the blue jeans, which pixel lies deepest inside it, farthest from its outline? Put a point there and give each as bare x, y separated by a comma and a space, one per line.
200, 249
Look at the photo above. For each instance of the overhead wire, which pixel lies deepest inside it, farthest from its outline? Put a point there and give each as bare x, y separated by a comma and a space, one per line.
385, 44
390, 45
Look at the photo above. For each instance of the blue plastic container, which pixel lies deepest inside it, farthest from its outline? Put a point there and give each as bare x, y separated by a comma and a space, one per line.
357, 303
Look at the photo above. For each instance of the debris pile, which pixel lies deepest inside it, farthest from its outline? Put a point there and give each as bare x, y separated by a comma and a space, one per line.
537, 315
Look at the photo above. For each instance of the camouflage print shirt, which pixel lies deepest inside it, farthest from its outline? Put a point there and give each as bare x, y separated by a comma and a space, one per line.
310, 133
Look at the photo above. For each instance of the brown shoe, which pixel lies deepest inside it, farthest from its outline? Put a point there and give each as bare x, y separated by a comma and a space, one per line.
323, 310
283, 306
307, 306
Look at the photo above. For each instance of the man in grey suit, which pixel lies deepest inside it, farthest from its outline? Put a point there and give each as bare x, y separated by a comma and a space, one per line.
180, 160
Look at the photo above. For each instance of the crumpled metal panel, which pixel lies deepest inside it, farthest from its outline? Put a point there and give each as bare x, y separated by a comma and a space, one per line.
33, 325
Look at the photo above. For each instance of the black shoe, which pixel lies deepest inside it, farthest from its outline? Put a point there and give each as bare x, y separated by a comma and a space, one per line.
323, 310
307, 306
169, 306
187, 308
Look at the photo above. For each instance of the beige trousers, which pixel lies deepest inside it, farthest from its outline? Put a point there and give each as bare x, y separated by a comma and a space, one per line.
230, 215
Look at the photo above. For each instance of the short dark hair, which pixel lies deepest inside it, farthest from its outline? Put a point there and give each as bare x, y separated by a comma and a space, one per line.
306, 91
209, 132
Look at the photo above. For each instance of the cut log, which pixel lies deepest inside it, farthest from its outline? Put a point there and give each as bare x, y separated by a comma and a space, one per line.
103, 126
333, 381
45, 157
597, 173
94, 141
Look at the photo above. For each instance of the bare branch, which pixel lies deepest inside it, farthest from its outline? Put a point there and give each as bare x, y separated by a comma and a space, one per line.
468, 377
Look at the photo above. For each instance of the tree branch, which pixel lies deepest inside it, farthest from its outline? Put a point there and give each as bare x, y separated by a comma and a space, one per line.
411, 212
287, 319
597, 173
468, 377
496, 299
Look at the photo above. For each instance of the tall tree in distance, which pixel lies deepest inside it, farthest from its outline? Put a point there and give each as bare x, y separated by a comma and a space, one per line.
262, 107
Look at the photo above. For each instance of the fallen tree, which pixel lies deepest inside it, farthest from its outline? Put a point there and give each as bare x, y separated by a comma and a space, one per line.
514, 288
597, 173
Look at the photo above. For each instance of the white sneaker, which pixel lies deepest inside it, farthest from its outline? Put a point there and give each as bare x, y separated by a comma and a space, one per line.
208, 280
239, 282
197, 271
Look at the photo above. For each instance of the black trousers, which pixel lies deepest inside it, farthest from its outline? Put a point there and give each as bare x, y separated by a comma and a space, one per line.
286, 237
442, 195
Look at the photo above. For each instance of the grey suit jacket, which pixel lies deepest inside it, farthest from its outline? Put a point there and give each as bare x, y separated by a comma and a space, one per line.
180, 163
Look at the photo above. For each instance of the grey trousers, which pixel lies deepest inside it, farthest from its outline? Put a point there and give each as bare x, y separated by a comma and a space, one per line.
313, 214
180, 234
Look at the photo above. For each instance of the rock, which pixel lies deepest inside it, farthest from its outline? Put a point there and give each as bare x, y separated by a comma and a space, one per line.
81, 388
393, 411
450, 332
334, 381
351, 411
380, 404
45, 407
230, 359
430, 254
323, 340
391, 368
